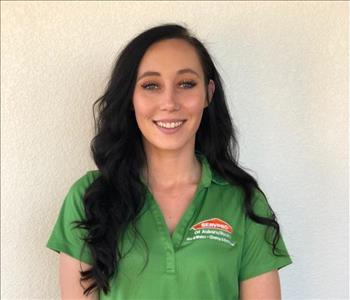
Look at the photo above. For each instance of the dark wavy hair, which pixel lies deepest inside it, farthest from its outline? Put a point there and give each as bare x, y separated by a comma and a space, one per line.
114, 200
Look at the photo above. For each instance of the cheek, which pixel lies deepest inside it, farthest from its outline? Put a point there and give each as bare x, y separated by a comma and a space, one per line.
194, 103
142, 106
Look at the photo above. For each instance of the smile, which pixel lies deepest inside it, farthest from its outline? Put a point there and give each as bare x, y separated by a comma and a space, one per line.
169, 125
169, 128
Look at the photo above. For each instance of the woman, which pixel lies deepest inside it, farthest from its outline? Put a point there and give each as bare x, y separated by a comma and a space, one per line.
169, 214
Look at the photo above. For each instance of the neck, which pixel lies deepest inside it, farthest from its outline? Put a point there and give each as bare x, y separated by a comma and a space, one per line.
172, 170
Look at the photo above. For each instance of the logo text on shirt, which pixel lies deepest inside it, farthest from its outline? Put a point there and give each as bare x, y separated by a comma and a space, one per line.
214, 229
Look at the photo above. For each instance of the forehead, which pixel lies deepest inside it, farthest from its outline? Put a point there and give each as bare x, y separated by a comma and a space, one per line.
170, 55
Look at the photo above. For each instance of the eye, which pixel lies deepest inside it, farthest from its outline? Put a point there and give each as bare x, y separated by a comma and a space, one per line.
149, 86
188, 84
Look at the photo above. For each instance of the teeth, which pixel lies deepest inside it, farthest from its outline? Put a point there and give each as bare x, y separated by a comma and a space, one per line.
169, 125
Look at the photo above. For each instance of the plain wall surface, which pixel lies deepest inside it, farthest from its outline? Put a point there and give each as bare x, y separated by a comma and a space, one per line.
285, 68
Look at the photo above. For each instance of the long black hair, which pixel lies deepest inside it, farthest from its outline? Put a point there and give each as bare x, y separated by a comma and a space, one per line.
114, 200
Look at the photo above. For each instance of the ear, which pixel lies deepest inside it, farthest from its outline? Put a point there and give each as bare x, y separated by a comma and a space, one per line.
211, 89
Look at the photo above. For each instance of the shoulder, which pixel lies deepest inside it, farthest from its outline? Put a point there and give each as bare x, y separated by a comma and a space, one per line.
77, 190
235, 195
260, 203
83, 182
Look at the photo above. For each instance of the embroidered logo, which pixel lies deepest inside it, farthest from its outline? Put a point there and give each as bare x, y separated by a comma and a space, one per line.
213, 229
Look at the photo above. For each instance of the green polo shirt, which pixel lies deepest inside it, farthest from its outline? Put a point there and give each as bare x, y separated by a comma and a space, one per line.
213, 248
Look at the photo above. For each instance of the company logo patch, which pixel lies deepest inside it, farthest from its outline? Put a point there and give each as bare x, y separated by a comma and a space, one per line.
213, 229
214, 223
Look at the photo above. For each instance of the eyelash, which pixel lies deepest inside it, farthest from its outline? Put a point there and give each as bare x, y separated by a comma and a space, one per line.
190, 82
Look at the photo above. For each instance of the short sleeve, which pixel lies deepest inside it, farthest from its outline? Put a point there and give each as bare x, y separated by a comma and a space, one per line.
64, 237
257, 256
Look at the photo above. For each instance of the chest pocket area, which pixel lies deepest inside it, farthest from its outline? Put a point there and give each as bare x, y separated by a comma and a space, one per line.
213, 229
214, 253
213, 241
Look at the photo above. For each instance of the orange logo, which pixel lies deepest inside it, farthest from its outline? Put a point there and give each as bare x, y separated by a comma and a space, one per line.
213, 223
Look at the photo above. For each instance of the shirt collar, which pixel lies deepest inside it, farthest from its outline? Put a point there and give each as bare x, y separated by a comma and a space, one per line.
209, 175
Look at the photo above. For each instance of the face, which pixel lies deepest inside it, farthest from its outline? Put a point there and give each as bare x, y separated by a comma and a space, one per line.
170, 88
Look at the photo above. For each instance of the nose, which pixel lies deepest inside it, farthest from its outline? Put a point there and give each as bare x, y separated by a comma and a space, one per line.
169, 100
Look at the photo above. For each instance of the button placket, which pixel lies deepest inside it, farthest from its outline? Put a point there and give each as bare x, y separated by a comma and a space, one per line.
170, 261
164, 235
180, 231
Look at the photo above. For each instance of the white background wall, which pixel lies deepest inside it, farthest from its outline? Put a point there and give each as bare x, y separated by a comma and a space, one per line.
285, 67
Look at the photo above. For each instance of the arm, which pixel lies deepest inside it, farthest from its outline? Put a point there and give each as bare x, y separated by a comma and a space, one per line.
69, 279
263, 287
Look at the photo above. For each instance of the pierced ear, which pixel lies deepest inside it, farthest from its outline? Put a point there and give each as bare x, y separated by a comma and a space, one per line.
211, 89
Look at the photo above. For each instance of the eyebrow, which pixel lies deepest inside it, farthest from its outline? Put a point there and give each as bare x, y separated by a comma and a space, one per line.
154, 73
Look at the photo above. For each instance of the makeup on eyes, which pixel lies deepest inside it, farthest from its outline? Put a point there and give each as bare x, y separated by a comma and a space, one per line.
189, 83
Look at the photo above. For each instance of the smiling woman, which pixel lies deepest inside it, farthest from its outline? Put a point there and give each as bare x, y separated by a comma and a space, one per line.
167, 179
170, 100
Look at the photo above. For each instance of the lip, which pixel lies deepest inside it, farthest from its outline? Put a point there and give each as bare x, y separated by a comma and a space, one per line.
169, 130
